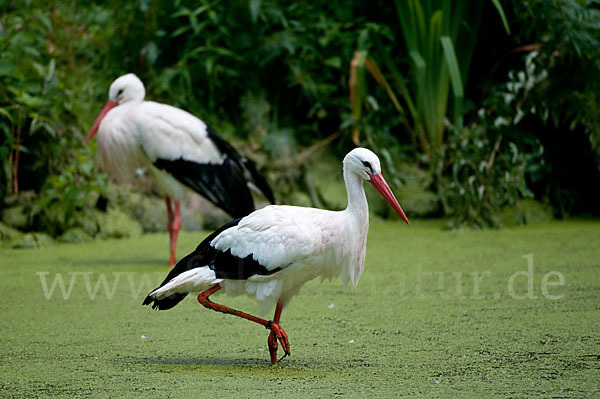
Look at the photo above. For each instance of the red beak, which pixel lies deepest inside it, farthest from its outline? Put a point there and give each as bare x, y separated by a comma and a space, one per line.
381, 185
109, 105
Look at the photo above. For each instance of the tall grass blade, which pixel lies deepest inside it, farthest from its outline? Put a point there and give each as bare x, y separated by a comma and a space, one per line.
455, 77
376, 72
397, 77
452, 64
502, 15
356, 83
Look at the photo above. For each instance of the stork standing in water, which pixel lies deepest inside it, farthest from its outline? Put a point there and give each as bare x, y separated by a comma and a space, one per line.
272, 252
178, 149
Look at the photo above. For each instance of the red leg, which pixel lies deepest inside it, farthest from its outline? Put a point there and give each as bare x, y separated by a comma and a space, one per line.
277, 333
169, 210
169, 223
272, 341
173, 225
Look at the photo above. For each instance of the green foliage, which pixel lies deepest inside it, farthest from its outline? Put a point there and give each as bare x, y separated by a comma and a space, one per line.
439, 38
569, 50
43, 164
274, 78
430, 31
567, 26
511, 101
64, 200
67, 197
552, 97
271, 73
28, 77
210, 57
486, 175
8, 233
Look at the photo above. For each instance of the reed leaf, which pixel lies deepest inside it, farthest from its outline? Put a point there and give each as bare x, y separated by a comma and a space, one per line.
455, 77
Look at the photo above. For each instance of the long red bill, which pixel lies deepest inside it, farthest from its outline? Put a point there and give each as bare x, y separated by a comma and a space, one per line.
381, 185
109, 105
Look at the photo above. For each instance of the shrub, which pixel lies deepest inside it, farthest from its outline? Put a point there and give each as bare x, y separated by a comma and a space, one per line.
486, 173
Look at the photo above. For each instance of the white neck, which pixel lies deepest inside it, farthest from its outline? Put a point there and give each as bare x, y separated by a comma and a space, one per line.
356, 218
357, 201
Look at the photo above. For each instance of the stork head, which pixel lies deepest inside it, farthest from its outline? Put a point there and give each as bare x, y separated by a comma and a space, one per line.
127, 88
365, 163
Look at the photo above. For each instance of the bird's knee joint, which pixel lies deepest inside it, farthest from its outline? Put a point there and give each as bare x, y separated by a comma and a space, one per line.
177, 223
204, 301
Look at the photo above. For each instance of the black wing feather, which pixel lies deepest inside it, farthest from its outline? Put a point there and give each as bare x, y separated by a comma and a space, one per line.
223, 185
223, 263
257, 178
226, 184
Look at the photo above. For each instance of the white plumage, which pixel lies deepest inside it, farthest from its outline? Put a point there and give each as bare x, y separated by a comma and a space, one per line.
137, 133
271, 253
194, 280
179, 150
304, 242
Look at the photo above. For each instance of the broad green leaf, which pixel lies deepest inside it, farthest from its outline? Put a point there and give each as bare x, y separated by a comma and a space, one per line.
254, 6
6, 68
44, 18
182, 12
335, 62
180, 31
39, 68
357, 85
31, 101
6, 113
453, 68
418, 60
51, 69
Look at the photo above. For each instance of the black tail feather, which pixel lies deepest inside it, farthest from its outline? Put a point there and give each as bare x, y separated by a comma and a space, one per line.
259, 180
165, 303
188, 262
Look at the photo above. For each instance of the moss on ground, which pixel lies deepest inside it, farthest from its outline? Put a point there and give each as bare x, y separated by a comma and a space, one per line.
405, 330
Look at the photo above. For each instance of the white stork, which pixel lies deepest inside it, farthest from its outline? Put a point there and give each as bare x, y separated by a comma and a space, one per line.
178, 149
272, 252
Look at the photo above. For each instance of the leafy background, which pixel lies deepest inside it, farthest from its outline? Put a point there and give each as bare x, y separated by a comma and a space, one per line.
484, 113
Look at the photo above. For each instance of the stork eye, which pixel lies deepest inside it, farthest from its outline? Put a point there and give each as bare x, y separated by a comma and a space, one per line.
119, 92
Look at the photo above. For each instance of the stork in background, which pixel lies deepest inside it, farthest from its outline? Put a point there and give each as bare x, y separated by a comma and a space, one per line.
271, 253
179, 151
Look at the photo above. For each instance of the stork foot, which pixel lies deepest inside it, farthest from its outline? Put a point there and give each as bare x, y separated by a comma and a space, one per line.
277, 334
